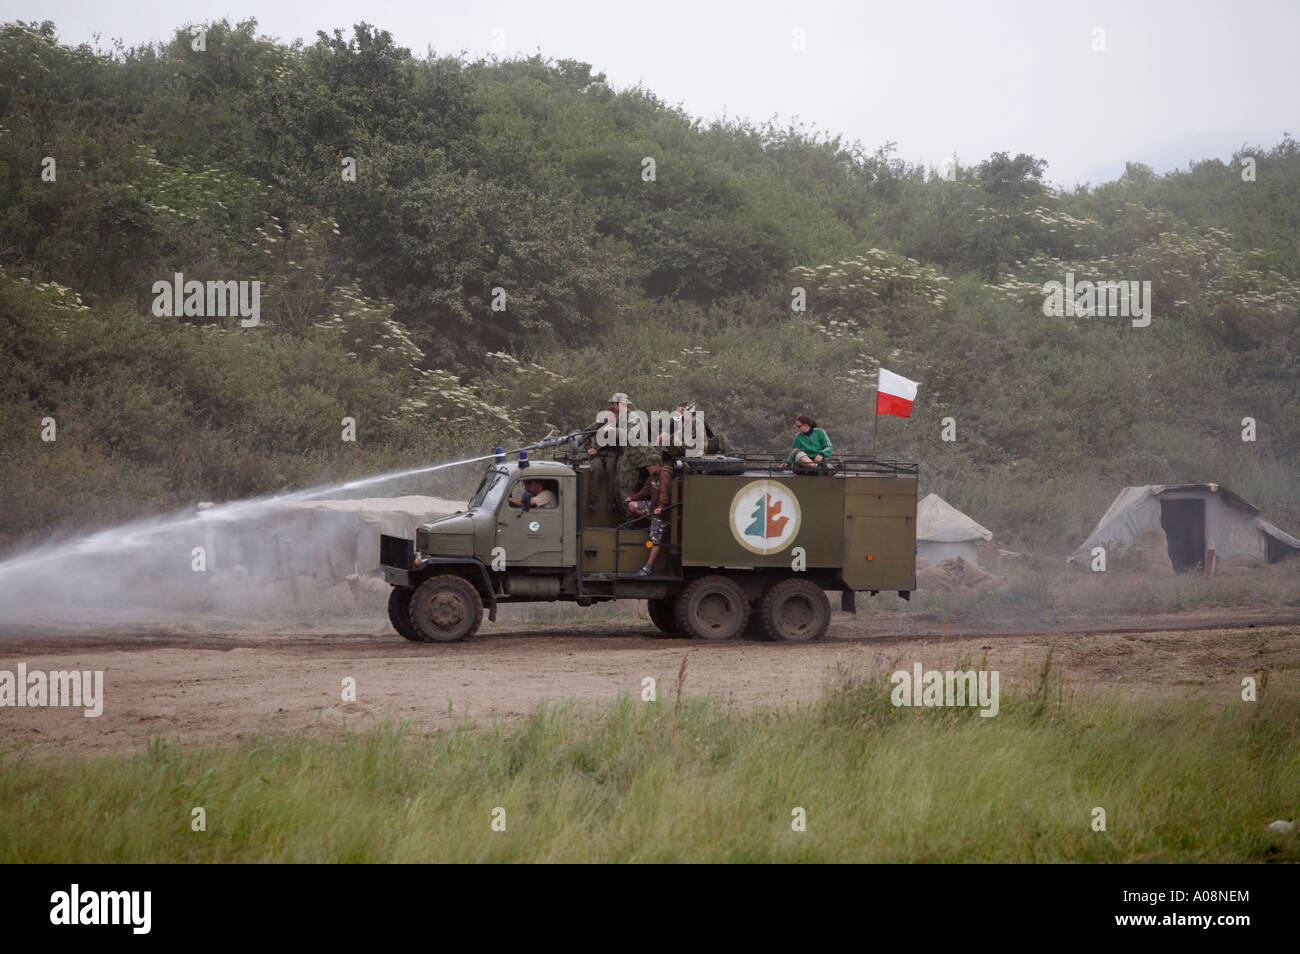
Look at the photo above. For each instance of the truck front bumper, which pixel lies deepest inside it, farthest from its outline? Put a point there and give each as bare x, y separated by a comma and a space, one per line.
396, 576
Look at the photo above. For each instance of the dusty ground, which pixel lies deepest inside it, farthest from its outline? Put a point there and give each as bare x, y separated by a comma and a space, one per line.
231, 682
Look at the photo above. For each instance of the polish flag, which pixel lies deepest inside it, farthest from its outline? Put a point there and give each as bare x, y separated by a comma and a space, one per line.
894, 394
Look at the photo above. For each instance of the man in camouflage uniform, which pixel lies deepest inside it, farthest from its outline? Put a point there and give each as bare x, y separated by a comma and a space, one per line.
604, 448
674, 445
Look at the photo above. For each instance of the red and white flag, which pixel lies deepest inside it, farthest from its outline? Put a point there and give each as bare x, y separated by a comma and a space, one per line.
894, 394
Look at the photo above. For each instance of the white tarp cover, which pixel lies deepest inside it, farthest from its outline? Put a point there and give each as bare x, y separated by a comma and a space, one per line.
326, 539
1280, 535
1131, 512
935, 552
938, 521
1231, 525
943, 532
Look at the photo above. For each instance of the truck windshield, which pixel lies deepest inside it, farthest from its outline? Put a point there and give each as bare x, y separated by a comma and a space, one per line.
489, 491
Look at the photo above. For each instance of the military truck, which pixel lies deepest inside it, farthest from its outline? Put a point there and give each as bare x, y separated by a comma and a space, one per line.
751, 548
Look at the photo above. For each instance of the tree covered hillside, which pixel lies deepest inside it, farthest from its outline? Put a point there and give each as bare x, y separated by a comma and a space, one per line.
456, 254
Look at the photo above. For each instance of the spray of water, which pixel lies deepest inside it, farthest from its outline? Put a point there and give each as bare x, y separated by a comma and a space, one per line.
352, 485
255, 558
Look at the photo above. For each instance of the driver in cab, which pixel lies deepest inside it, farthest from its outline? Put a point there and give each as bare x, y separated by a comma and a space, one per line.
535, 497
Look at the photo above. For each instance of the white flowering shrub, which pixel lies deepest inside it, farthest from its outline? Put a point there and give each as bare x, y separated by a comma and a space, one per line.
842, 295
195, 198
455, 413
364, 328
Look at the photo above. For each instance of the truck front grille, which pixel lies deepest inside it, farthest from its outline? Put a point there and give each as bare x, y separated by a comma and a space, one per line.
396, 551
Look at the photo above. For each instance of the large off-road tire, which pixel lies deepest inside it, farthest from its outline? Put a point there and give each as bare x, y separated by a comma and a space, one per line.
399, 613
712, 607
754, 628
661, 614
445, 608
795, 610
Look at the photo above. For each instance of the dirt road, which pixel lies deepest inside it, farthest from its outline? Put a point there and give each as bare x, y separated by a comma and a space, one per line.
224, 684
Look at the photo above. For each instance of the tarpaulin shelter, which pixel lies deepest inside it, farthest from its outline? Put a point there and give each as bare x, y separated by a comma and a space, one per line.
1196, 519
943, 531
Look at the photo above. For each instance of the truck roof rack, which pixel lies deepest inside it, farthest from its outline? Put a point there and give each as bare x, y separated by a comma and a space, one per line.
771, 466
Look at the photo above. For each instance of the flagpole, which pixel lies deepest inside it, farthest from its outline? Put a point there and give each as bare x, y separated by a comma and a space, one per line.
875, 421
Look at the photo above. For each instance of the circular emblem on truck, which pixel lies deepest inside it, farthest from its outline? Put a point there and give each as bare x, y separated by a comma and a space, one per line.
765, 516
534, 526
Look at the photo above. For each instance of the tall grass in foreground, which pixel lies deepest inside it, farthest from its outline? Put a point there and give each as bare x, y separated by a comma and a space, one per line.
689, 779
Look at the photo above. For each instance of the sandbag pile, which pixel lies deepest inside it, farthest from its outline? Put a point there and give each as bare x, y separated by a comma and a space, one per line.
1239, 564
991, 553
1151, 547
956, 575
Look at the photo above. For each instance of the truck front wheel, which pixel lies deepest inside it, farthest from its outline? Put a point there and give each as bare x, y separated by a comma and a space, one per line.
446, 608
712, 607
795, 610
399, 613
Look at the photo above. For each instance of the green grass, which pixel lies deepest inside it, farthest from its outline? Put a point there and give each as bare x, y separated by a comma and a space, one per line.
1193, 780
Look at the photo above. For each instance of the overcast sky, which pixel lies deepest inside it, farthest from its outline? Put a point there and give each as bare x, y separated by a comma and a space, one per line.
1178, 80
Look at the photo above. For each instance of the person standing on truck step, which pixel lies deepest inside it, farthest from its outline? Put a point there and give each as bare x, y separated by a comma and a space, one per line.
811, 445
652, 500
603, 448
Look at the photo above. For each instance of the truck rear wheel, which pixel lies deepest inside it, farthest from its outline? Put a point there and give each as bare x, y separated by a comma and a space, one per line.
661, 614
795, 610
712, 607
399, 613
754, 628
445, 608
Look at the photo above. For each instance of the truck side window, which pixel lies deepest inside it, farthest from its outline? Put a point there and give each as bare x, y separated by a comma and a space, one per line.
547, 498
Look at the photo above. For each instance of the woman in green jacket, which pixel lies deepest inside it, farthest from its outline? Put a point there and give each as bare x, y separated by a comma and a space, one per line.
811, 445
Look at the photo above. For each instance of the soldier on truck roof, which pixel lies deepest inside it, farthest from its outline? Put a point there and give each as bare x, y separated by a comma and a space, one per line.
603, 449
683, 421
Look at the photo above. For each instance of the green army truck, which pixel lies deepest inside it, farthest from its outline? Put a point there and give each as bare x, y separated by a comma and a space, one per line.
751, 548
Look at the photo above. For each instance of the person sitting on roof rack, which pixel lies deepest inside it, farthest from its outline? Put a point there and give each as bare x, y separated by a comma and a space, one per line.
810, 448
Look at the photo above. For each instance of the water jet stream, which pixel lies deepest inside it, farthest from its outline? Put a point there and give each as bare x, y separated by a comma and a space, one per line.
145, 564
